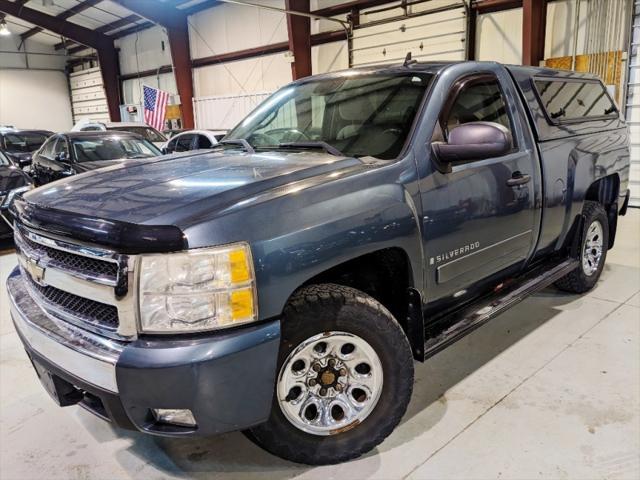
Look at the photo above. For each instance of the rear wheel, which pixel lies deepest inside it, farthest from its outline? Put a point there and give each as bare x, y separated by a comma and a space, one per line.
593, 251
345, 377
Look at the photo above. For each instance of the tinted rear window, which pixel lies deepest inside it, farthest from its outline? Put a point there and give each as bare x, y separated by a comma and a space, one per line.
574, 100
23, 142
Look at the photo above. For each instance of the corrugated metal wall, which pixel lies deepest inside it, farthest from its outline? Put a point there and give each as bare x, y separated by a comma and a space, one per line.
633, 106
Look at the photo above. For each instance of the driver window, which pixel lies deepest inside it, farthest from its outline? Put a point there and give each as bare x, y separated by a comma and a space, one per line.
183, 143
203, 142
61, 148
47, 148
479, 101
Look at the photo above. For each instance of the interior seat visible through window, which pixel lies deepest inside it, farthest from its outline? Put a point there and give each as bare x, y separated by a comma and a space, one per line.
479, 102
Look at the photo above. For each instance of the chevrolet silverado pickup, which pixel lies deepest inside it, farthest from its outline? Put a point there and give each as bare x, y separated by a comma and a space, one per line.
284, 282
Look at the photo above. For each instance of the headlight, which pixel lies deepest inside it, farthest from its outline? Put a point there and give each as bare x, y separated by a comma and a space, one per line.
12, 194
198, 290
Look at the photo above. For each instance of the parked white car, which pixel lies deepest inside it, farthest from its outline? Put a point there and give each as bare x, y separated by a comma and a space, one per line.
191, 140
142, 129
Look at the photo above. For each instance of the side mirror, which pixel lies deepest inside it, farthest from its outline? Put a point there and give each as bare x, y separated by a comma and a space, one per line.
473, 141
24, 162
164, 150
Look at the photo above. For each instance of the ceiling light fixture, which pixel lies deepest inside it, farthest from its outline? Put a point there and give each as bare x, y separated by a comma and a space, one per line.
4, 28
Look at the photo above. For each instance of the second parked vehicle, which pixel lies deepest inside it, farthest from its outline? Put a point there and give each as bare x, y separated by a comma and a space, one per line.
19, 145
139, 128
13, 182
192, 140
66, 154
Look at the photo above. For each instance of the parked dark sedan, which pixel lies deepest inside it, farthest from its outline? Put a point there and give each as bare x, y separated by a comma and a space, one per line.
66, 154
19, 145
13, 181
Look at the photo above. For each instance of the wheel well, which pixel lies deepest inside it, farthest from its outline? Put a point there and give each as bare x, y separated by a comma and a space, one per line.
605, 191
384, 275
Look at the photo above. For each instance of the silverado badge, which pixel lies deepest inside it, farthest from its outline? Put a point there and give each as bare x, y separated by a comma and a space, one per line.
35, 270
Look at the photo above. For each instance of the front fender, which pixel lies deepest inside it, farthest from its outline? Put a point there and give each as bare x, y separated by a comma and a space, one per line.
337, 230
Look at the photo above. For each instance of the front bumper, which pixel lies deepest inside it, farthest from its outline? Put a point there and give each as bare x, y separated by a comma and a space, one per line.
226, 379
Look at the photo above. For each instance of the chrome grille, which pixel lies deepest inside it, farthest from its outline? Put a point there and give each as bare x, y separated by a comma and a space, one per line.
69, 261
90, 287
90, 311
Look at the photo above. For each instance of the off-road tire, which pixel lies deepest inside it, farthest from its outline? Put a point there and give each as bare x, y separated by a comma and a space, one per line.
328, 307
578, 281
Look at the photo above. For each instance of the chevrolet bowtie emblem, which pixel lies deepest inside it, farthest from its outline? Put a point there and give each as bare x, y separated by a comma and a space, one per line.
35, 270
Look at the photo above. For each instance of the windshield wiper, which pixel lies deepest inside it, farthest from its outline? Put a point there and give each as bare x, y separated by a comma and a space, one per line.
238, 141
314, 144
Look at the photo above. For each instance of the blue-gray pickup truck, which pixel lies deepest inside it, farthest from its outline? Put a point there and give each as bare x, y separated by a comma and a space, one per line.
284, 282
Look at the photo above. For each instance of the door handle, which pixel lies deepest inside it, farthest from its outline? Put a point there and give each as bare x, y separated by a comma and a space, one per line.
518, 179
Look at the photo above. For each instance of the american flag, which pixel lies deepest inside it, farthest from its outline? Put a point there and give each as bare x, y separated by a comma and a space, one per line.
155, 106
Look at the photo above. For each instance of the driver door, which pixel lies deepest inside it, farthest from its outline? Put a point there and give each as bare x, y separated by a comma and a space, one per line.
478, 222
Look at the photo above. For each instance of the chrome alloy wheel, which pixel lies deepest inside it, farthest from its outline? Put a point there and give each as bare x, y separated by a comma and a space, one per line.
592, 250
330, 383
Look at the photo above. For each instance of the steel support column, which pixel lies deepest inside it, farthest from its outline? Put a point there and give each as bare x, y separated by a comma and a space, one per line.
181, 55
299, 29
110, 70
534, 19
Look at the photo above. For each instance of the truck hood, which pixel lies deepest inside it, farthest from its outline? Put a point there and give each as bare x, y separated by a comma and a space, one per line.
170, 190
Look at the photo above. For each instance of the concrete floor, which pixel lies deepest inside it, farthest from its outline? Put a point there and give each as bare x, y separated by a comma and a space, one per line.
551, 389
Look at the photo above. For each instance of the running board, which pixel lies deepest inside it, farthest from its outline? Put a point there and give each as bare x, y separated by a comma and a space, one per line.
469, 318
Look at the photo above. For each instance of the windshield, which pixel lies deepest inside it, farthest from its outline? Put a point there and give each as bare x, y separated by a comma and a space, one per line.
23, 142
149, 133
363, 115
87, 149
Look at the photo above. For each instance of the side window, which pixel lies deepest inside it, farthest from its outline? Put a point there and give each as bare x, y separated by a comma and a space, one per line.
477, 101
574, 100
47, 148
204, 142
171, 145
61, 149
183, 143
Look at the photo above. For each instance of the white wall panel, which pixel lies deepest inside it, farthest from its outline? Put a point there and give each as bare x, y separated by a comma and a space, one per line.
223, 112
35, 99
329, 57
144, 51
18, 59
318, 26
561, 27
132, 89
499, 36
229, 27
261, 74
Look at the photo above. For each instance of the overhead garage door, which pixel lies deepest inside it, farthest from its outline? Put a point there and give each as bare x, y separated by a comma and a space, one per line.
430, 35
633, 107
88, 99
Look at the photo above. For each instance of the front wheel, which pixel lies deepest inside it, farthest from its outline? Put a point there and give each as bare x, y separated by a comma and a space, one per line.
593, 251
345, 377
